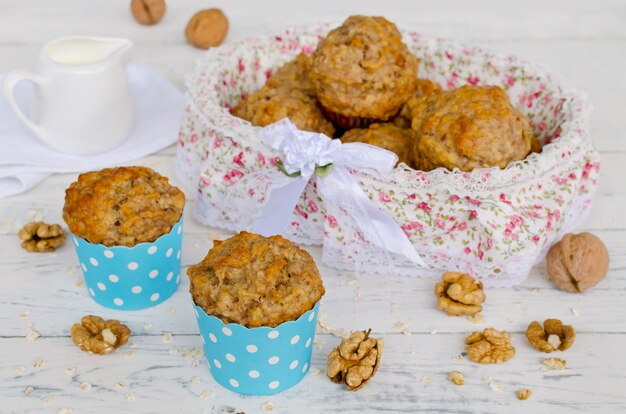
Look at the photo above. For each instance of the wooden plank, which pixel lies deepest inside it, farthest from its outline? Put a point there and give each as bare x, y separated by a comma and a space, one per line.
593, 379
55, 301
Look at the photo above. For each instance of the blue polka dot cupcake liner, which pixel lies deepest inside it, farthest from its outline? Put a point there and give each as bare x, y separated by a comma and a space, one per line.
132, 278
258, 361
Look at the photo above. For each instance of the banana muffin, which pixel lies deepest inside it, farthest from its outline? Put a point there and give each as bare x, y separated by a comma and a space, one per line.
387, 136
295, 74
424, 89
256, 281
289, 93
122, 206
470, 127
363, 72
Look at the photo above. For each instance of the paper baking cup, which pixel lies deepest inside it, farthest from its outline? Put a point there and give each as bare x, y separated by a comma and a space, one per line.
258, 361
131, 278
348, 122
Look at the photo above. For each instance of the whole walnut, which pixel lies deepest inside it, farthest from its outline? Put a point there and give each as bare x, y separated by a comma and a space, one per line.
148, 12
207, 28
578, 262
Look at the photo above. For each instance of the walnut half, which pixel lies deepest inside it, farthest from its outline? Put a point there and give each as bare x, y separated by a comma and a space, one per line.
459, 294
355, 360
552, 336
97, 336
489, 346
41, 237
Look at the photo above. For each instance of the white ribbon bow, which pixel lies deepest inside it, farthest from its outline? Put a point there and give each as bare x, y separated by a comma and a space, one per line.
306, 152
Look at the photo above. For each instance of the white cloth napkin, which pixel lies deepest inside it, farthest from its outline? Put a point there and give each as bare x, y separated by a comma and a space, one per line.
25, 161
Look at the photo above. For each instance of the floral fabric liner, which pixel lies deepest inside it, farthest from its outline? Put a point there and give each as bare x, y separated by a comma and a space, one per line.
493, 223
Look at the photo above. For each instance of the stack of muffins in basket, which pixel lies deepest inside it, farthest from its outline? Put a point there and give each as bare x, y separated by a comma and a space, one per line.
361, 85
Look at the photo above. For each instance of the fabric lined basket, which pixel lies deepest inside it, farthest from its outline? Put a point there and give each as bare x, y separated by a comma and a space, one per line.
493, 223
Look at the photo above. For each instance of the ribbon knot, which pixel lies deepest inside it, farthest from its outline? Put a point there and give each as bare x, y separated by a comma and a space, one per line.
307, 153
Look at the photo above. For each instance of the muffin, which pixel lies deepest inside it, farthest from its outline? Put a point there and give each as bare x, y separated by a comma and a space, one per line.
387, 136
363, 72
294, 74
289, 93
470, 127
424, 89
256, 281
126, 226
122, 206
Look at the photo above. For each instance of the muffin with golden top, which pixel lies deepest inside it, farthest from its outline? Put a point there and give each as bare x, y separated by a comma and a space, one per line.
387, 136
256, 281
122, 206
363, 72
424, 89
289, 93
470, 127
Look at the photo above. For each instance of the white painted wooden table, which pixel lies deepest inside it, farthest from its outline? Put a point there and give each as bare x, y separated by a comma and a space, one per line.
584, 41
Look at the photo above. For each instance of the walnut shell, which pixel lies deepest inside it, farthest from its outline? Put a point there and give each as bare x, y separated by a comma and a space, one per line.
578, 262
207, 28
148, 12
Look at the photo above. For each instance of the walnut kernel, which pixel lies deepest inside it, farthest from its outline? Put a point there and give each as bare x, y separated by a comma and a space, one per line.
490, 346
456, 377
97, 336
543, 338
553, 363
524, 394
355, 360
459, 294
207, 28
148, 12
578, 262
41, 237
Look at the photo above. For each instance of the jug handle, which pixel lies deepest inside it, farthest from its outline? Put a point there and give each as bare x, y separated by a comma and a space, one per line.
8, 90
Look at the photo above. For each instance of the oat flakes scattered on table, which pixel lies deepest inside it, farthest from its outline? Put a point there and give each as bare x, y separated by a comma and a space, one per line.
456, 377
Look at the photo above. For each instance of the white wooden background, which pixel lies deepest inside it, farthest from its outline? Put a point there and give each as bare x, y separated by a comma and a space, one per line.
585, 41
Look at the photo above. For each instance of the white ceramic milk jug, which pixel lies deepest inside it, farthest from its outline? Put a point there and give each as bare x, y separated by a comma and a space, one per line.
82, 102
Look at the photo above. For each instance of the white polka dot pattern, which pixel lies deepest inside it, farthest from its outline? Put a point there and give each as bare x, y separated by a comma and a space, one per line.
257, 361
130, 278
274, 384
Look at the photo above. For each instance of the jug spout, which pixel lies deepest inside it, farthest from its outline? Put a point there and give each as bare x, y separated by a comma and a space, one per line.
123, 51
88, 50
